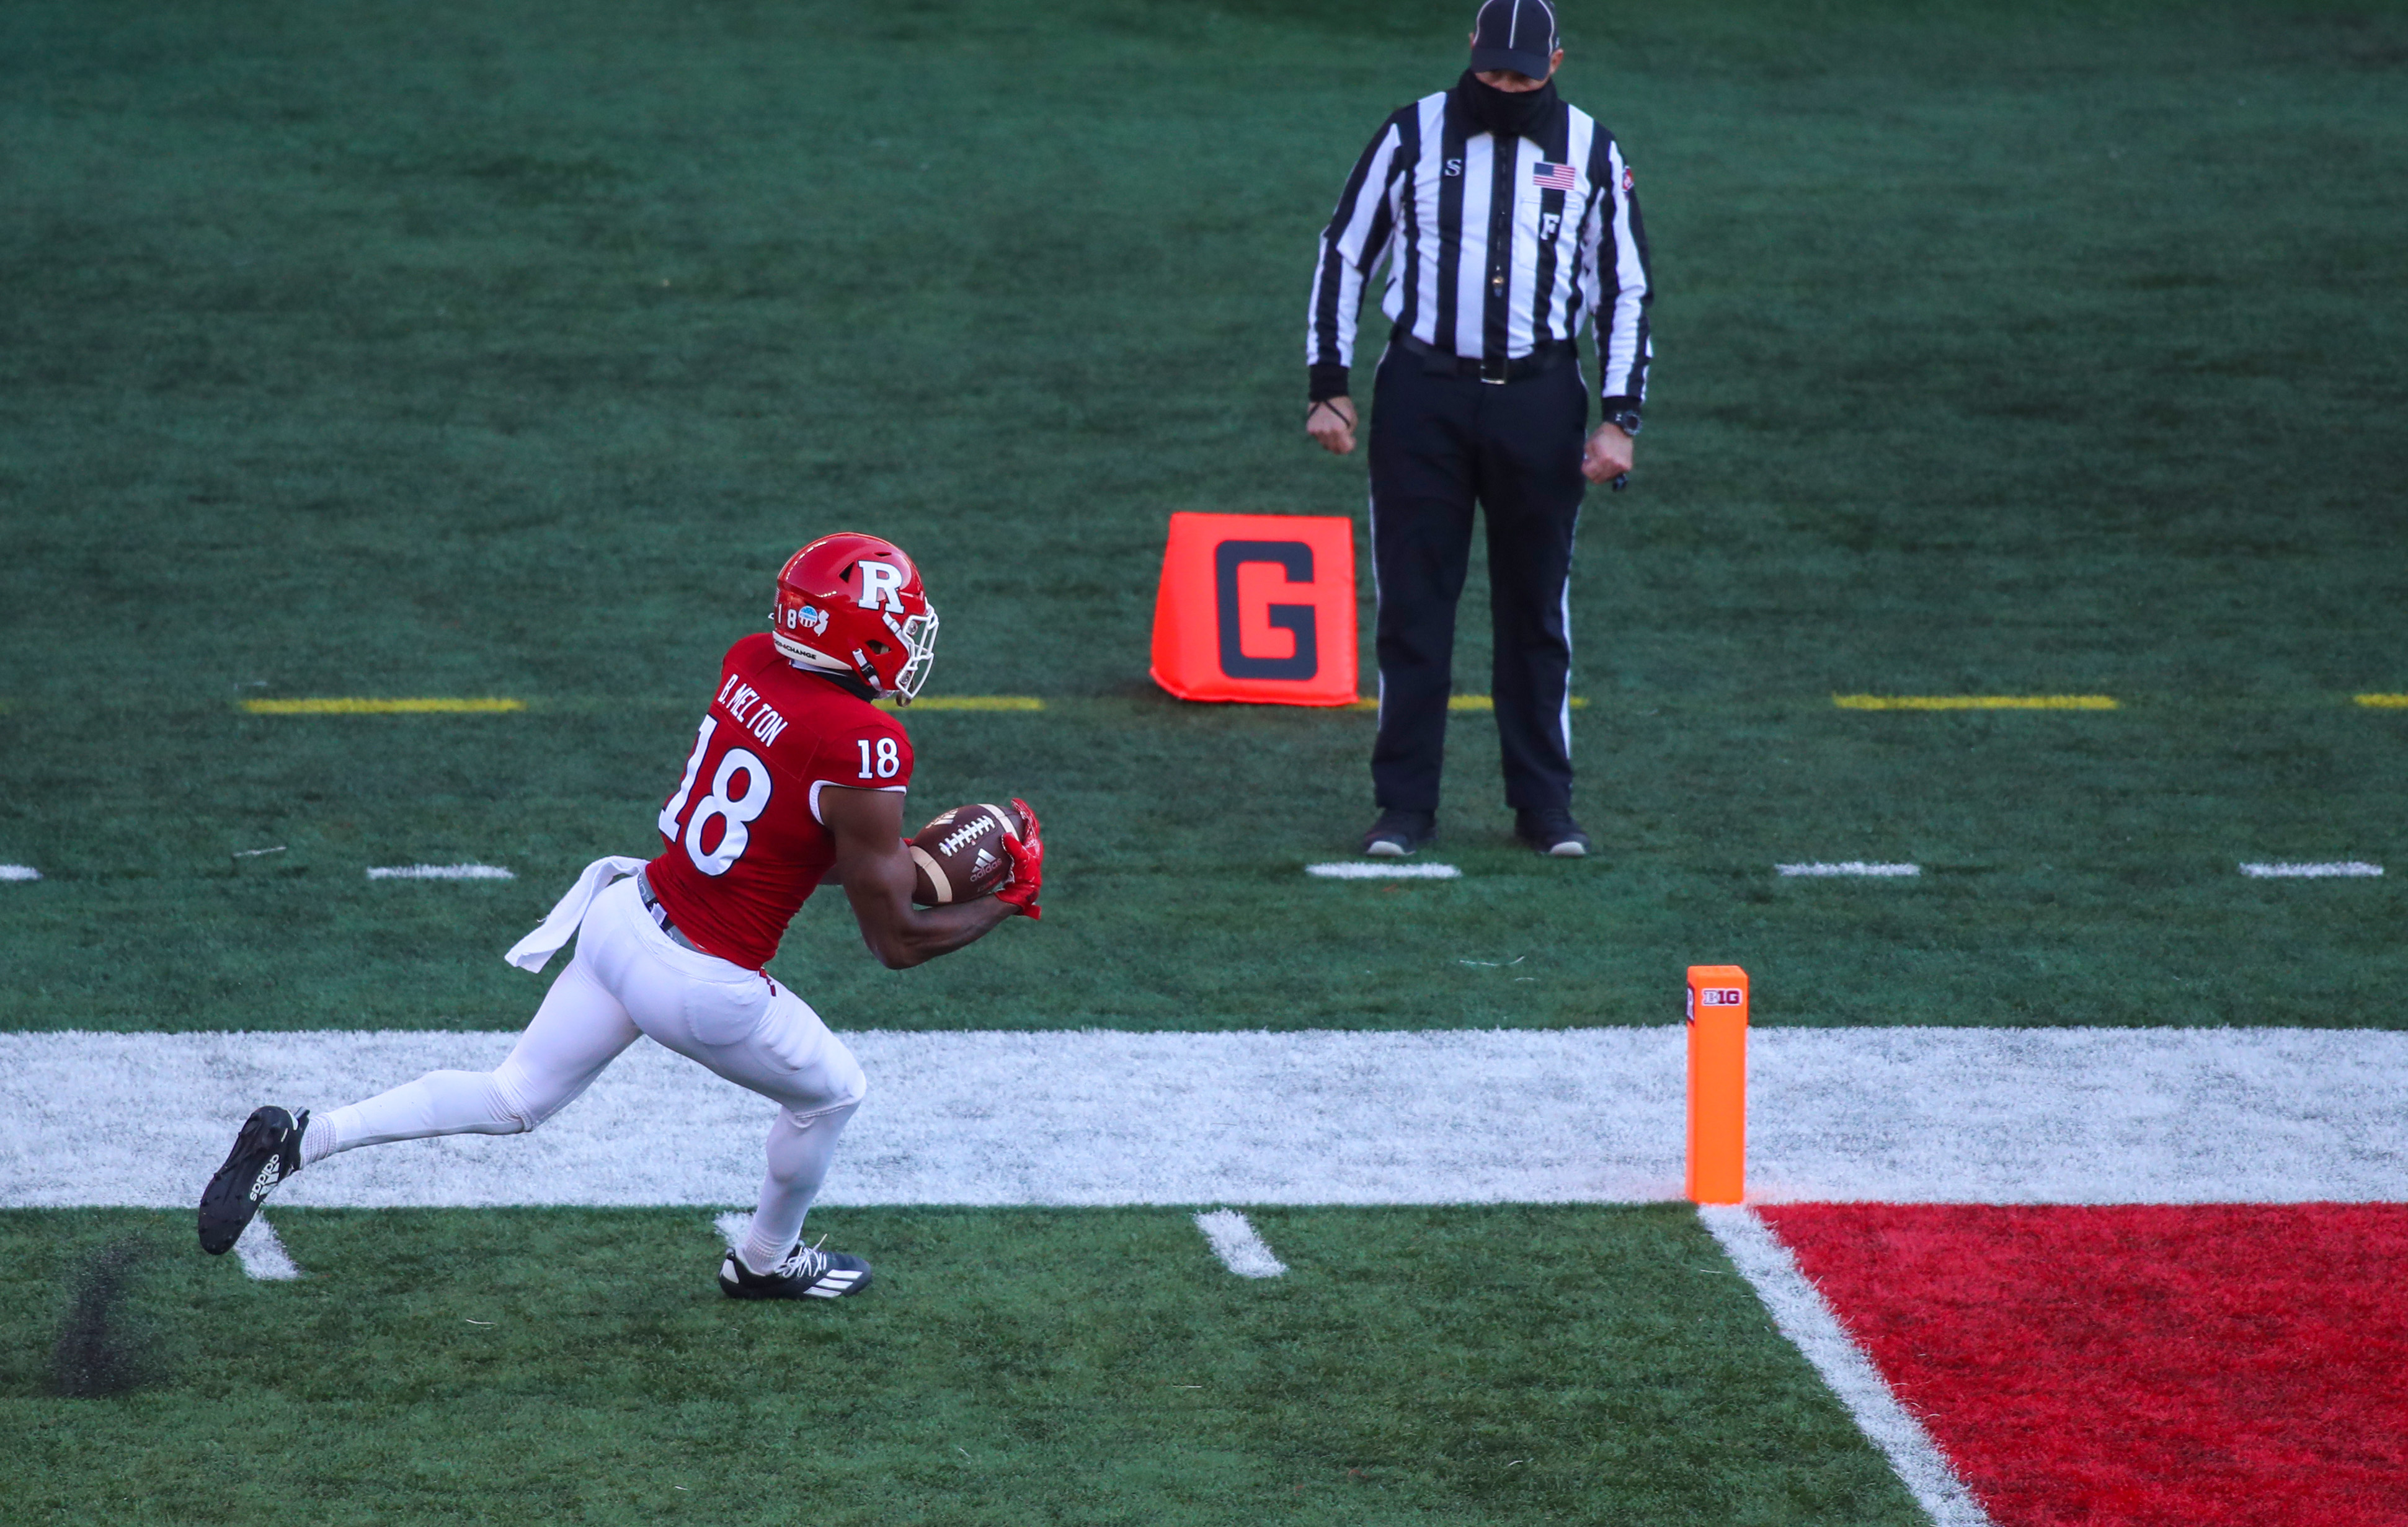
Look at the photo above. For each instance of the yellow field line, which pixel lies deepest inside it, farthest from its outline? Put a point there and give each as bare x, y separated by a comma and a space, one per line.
354, 705
1974, 702
968, 702
2384, 702
1463, 701
1483, 702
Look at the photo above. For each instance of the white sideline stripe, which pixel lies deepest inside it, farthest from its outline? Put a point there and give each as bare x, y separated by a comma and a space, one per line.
2353, 869
1803, 1315
1851, 866
262, 1253
1238, 1245
18, 872
1350, 869
440, 872
733, 1227
1099, 1117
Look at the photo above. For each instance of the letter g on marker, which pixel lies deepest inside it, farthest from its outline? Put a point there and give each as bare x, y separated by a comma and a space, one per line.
1294, 558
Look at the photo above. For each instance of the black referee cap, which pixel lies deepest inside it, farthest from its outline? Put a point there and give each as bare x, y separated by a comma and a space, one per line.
1516, 35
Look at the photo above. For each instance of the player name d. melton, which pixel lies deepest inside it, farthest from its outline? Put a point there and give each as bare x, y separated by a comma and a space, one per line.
751, 712
673, 948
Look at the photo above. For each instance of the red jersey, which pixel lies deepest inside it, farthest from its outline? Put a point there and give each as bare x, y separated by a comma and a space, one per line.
746, 847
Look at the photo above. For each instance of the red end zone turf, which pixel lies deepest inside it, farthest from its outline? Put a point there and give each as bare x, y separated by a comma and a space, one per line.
2183, 1366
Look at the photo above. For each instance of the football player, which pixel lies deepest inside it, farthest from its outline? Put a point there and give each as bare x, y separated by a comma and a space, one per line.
795, 779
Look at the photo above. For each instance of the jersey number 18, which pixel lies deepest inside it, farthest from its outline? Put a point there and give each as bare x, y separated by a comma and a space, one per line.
886, 763
735, 810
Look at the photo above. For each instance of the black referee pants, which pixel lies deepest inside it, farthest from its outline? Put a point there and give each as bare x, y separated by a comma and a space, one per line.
1439, 441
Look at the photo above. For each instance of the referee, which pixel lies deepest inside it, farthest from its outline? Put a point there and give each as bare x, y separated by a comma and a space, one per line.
1506, 216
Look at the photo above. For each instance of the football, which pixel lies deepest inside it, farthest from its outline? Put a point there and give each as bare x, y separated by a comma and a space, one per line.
959, 856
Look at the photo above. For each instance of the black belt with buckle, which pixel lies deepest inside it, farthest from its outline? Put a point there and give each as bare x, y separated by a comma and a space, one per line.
1499, 370
660, 914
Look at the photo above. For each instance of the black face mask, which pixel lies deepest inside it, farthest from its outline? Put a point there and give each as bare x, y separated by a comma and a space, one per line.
1504, 112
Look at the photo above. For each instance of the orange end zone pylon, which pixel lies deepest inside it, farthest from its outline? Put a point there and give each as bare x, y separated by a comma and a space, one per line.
1717, 1172
1257, 608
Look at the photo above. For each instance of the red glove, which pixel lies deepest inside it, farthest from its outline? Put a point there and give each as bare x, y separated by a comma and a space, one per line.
1027, 853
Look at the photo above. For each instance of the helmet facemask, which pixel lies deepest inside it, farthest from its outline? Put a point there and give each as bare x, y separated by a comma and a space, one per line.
918, 634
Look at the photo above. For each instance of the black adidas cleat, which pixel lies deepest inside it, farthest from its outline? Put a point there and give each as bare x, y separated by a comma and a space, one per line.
266, 1152
808, 1273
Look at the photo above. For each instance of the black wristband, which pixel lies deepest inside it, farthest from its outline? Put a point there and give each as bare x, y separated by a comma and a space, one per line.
1323, 382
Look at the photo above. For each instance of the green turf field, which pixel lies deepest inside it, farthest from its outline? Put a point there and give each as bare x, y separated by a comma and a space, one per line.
1088, 1366
358, 349
505, 350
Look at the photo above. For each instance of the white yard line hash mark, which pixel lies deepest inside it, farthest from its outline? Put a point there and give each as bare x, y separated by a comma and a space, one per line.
1240, 1248
18, 872
440, 872
1851, 866
733, 1227
1802, 1315
1351, 870
2337, 870
263, 1254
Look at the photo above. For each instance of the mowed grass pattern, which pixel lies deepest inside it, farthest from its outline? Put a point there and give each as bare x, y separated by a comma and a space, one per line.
505, 350
1438, 1365
501, 351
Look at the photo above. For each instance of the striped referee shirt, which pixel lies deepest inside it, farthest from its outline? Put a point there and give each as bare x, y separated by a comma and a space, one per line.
1493, 249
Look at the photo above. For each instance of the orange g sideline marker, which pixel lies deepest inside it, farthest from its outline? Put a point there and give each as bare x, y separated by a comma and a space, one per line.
1257, 608
1717, 1172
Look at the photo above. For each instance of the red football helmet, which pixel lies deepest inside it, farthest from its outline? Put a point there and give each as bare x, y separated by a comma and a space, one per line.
853, 604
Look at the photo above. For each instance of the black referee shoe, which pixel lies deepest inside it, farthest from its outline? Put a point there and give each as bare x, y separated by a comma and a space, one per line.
1398, 833
1552, 831
266, 1152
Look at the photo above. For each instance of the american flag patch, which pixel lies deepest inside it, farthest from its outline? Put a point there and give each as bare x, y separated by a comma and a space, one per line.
1548, 177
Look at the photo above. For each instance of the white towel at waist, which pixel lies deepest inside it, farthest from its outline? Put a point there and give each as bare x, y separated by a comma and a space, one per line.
529, 953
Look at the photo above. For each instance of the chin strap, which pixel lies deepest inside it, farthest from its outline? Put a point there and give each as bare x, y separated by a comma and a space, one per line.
869, 676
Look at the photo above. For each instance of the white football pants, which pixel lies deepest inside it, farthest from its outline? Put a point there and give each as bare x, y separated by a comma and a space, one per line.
628, 979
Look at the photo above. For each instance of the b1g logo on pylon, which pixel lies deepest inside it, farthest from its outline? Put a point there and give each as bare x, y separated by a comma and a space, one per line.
1717, 1032
1257, 608
1715, 996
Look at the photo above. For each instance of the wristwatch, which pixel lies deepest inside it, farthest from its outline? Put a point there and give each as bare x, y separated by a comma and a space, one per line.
1626, 420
